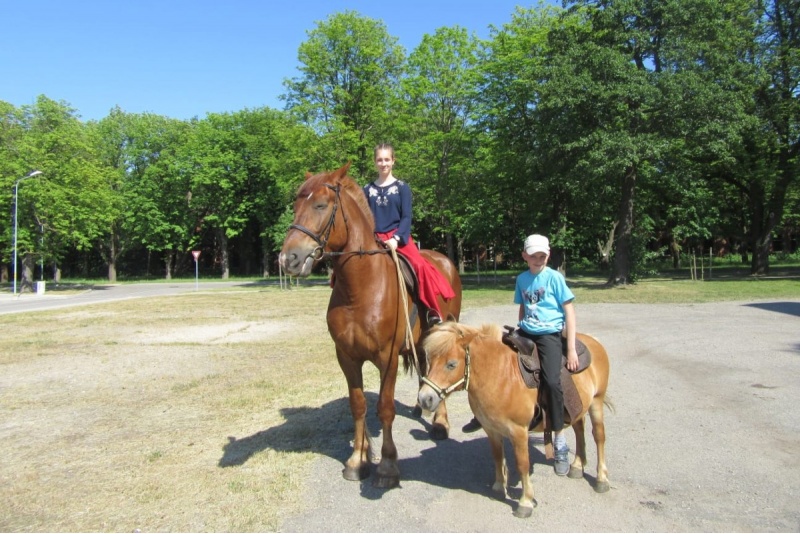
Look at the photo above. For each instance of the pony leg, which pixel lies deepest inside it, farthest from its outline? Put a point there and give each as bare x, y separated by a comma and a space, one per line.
356, 467
519, 439
500, 469
440, 428
388, 472
578, 465
599, 433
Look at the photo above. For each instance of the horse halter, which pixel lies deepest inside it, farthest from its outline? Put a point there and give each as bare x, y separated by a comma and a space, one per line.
442, 393
319, 251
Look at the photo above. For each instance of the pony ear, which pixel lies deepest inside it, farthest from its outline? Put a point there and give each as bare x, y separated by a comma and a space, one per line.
466, 336
308, 175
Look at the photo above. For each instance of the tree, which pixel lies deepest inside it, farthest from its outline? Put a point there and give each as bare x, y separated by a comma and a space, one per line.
437, 127
70, 206
349, 66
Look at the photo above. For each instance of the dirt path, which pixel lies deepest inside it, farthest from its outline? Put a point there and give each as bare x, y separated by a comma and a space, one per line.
704, 438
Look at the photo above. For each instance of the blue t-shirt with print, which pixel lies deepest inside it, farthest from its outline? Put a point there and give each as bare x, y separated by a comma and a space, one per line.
544, 296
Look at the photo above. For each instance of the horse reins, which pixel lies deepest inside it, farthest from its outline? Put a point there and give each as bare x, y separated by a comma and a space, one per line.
404, 294
442, 393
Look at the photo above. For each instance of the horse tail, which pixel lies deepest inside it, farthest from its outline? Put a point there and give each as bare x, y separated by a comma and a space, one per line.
409, 365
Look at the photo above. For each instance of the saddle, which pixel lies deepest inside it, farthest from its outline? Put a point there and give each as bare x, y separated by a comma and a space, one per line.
530, 367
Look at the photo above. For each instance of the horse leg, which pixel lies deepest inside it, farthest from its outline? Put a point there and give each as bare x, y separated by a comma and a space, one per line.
500, 469
519, 440
599, 433
356, 467
388, 473
440, 428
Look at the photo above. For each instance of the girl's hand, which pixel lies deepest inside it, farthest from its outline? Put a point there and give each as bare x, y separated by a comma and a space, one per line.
391, 243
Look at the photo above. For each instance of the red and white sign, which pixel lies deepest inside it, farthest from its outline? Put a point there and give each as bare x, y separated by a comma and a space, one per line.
196, 254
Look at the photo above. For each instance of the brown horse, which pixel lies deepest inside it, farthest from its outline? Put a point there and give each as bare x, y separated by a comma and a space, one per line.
332, 220
475, 359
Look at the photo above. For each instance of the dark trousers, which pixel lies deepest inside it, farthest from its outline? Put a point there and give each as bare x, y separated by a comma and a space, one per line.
550, 348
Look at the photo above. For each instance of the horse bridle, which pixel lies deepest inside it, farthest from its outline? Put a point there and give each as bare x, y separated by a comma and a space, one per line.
319, 251
442, 393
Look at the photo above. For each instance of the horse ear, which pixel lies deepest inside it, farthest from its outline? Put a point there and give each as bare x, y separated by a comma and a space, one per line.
308, 175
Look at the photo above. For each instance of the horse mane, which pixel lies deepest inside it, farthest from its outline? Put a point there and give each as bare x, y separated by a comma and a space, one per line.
348, 186
444, 337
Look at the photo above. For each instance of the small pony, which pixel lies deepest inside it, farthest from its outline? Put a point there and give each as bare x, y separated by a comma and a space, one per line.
462, 357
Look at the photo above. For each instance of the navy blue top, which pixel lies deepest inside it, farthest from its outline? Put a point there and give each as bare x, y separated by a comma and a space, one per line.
391, 207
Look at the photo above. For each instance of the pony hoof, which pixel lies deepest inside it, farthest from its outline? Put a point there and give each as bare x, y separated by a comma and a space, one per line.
602, 487
386, 482
574, 472
356, 474
439, 432
416, 412
523, 512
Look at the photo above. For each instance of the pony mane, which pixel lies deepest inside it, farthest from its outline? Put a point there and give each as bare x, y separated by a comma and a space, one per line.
348, 186
446, 336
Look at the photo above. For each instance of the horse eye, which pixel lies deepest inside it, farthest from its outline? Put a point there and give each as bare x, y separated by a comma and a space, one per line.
452, 364
320, 207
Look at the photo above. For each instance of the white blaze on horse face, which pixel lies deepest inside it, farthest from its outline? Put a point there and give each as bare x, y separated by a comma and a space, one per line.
311, 194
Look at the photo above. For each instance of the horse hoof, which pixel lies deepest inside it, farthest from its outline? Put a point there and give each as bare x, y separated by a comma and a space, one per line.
439, 432
574, 472
416, 412
523, 512
602, 487
386, 482
356, 474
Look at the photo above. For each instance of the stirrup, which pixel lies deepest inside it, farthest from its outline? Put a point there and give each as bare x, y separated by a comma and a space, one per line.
433, 318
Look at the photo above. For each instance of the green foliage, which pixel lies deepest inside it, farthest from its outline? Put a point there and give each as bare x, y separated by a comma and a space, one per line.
667, 122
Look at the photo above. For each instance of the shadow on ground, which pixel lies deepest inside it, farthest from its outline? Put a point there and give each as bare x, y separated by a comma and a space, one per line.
327, 430
789, 308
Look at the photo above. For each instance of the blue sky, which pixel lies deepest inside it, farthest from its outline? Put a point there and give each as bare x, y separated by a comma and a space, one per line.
183, 58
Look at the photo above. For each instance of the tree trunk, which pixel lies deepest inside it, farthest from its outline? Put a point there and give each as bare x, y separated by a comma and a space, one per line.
223, 254
451, 251
762, 242
169, 261
621, 269
27, 272
605, 249
460, 246
266, 258
112, 270
675, 252
113, 252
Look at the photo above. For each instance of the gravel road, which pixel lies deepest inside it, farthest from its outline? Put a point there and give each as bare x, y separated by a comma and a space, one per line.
704, 437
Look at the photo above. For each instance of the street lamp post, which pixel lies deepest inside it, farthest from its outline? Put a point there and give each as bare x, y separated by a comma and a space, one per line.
16, 198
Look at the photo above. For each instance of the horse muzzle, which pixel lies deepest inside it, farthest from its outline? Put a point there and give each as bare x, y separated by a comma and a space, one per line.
428, 398
297, 261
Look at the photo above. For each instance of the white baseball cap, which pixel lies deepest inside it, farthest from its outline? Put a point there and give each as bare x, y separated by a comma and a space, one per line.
536, 243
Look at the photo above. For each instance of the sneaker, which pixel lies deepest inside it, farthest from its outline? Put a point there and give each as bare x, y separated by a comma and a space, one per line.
472, 426
562, 461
